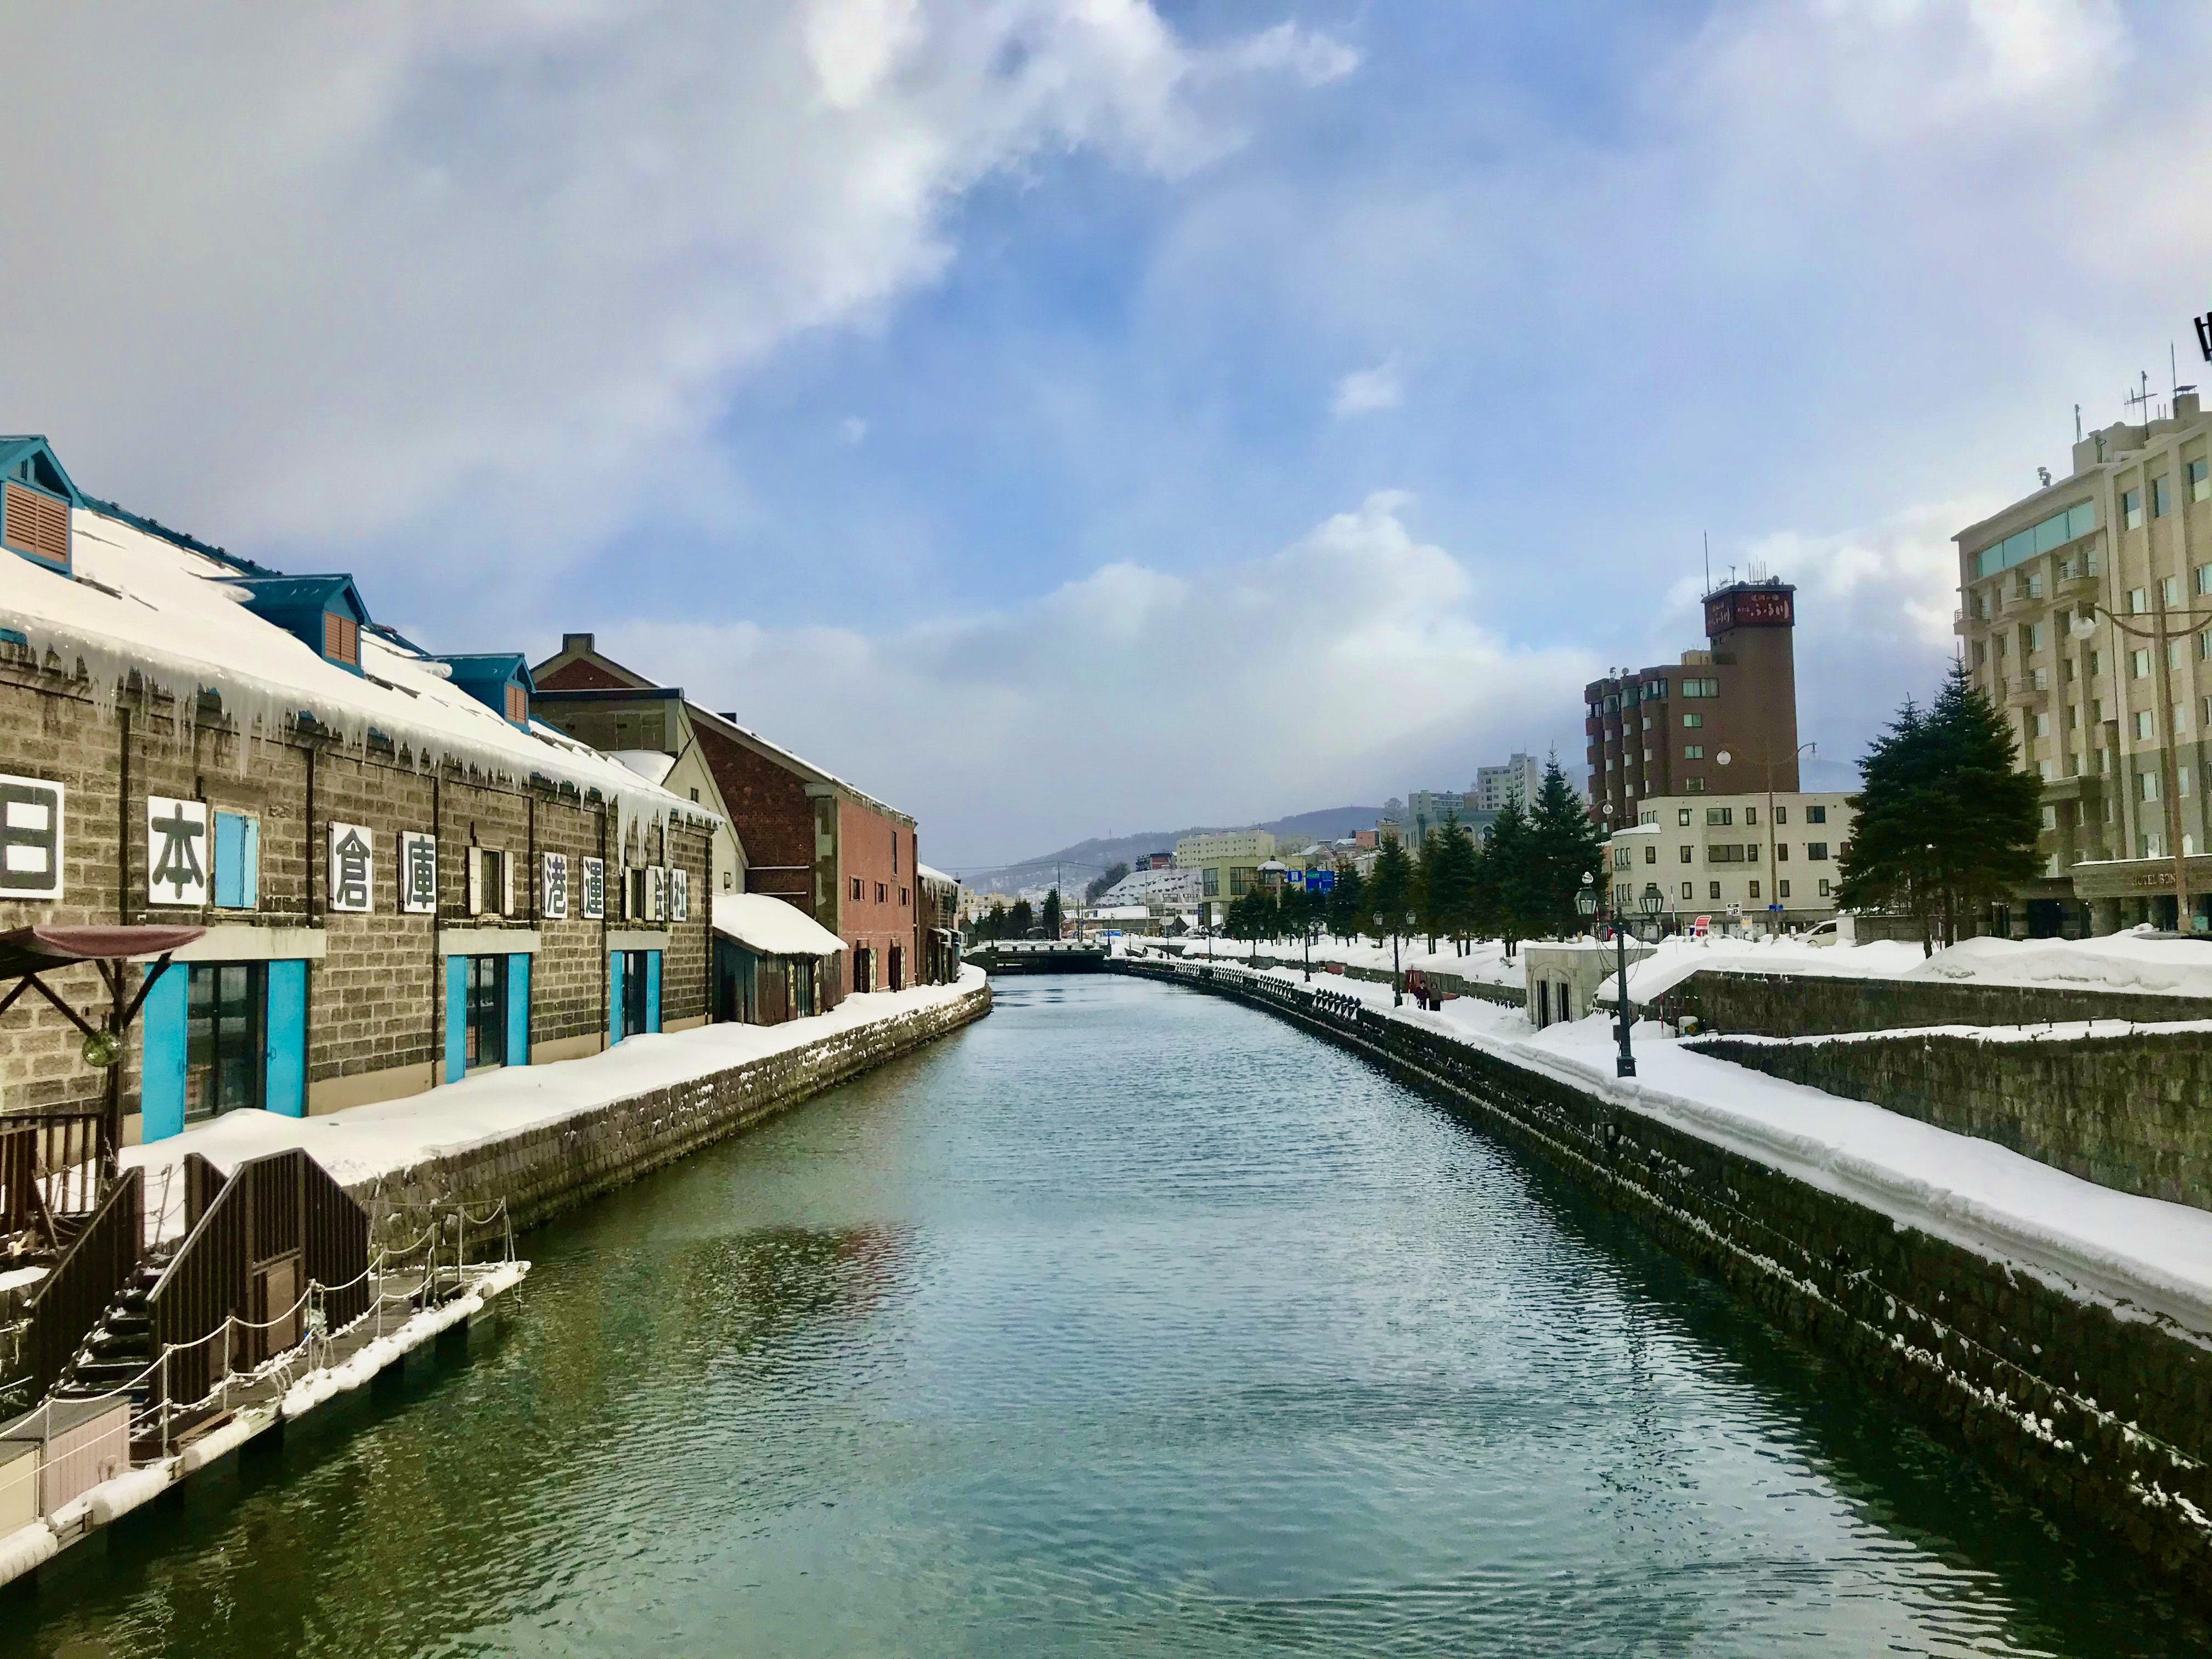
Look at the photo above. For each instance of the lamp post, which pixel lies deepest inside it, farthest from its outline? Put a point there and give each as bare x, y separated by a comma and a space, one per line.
1397, 983
1586, 902
2085, 627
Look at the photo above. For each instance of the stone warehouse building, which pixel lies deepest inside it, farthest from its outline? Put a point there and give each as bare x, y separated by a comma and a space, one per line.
1723, 719
2100, 718
796, 832
404, 878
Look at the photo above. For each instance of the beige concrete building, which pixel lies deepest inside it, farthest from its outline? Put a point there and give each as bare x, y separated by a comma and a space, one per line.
1736, 855
2129, 532
1227, 865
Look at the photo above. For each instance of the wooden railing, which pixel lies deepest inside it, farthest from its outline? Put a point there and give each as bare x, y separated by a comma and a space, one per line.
238, 1291
70, 1149
99, 1263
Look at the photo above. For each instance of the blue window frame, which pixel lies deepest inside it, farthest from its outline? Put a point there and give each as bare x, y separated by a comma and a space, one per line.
237, 861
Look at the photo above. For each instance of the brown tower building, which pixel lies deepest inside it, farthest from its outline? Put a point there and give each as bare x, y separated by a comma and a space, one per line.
1722, 721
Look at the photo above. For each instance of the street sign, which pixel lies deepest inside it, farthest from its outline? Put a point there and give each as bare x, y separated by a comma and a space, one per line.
1294, 878
1321, 881
1774, 909
1701, 927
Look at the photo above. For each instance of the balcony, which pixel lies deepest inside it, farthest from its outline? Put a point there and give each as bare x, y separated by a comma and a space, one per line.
2029, 690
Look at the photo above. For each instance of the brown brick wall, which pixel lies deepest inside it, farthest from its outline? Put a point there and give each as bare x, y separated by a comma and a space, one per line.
877, 852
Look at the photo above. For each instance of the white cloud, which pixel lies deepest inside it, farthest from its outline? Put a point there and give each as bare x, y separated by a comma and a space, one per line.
852, 431
1335, 668
418, 274
1364, 391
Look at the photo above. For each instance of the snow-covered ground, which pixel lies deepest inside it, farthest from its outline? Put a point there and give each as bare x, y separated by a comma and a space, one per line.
2132, 1254
363, 1142
1484, 961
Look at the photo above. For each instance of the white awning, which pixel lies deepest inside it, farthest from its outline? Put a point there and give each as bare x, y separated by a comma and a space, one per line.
764, 923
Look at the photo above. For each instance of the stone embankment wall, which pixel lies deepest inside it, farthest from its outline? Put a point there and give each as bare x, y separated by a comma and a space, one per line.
2124, 1111
1805, 1005
543, 1171
2106, 1418
1512, 996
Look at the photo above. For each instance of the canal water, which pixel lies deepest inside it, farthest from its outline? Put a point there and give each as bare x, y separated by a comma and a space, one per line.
1129, 1322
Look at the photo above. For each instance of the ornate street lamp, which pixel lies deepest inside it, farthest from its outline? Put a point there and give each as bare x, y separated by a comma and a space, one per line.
1586, 902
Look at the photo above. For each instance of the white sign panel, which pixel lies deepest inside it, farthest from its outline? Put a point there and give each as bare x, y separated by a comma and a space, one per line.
30, 839
679, 896
352, 867
554, 905
418, 874
595, 890
656, 893
177, 851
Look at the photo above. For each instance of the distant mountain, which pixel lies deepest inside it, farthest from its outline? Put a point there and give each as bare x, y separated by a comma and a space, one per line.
1085, 859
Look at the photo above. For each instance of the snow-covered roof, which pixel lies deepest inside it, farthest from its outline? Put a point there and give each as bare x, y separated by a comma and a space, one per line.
763, 922
653, 765
179, 618
928, 874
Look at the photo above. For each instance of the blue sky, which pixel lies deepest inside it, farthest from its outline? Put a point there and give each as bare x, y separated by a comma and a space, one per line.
1065, 415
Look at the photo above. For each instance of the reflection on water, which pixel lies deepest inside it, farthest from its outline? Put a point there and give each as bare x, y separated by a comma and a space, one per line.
1129, 1322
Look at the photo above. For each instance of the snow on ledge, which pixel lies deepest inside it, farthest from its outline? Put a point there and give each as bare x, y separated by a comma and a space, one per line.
364, 1142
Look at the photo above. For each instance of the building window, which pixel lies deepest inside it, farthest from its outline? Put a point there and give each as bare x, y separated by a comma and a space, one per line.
517, 710
2139, 664
2132, 509
1750, 815
486, 1043
2169, 589
1695, 786
1782, 890
1701, 687
1693, 721
1689, 855
2200, 481
2161, 498
1754, 890
1651, 854
1694, 751
856, 890
1689, 890
1817, 851
1816, 815
223, 1006
2143, 726
487, 874
1782, 852
695, 794
902, 896
2147, 785
1714, 889
237, 861
1716, 815
1682, 816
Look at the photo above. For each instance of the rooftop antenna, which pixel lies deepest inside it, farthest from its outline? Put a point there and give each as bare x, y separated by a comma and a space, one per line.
2077, 423
2140, 400
1709, 552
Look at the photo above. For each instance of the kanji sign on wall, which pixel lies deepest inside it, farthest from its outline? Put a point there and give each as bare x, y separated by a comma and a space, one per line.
353, 847
555, 903
418, 874
176, 851
595, 890
30, 839
679, 896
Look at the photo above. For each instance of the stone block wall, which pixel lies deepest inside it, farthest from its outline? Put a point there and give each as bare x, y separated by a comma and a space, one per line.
1805, 1005
2106, 1418
2126, 1111
376, 996
541, 1172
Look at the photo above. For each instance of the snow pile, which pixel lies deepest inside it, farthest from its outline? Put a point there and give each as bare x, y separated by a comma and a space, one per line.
763, 922
2135, 961
363, 1142
25, 1548
1680, 957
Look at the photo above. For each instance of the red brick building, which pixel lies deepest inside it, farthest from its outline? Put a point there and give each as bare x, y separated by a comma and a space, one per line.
799, 833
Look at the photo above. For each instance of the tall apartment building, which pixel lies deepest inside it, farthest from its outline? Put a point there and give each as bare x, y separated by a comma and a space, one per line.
1769, 859
1427, 812
2129, 531
1521, 775
1723, 720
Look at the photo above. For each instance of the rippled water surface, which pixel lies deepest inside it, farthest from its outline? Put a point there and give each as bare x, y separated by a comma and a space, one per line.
1128, 1321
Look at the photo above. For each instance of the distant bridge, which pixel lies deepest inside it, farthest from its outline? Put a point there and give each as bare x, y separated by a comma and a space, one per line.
1039, 956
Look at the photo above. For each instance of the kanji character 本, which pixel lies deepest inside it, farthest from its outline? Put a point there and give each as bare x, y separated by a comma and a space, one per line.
176, 867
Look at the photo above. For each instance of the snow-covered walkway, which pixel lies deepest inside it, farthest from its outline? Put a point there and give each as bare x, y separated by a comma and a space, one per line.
363, 1142
2087, 1240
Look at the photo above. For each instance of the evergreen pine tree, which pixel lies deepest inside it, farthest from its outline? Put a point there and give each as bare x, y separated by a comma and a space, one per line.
1451, 881
1052, 913
994, 925
1020, 918
1946, 822
1566, 845
1347, 903
1390, 890
1501, 884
